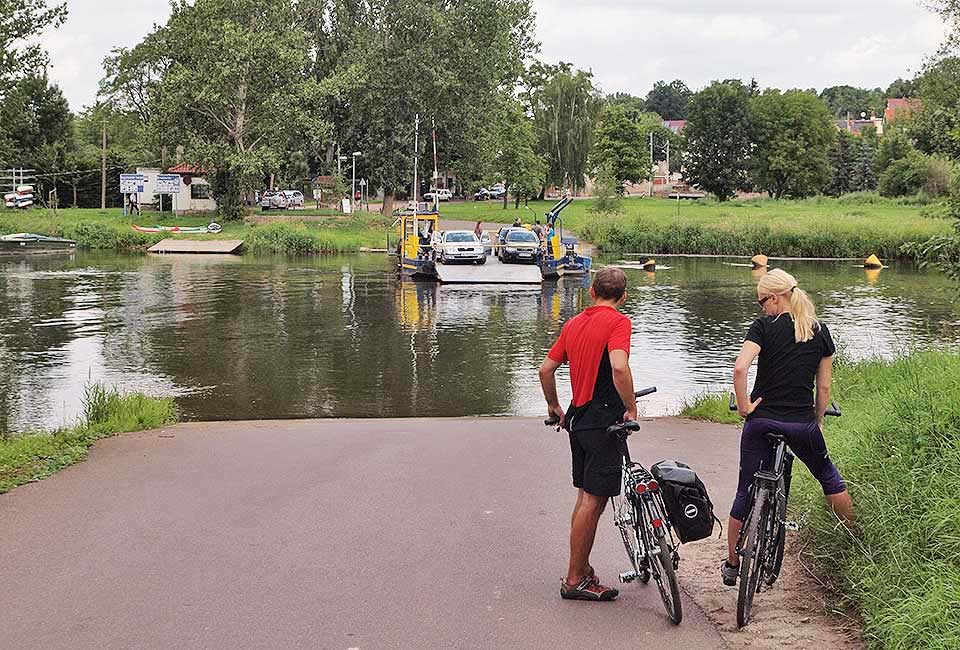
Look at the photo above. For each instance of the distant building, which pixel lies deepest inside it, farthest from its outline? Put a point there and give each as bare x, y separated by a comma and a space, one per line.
857, 126
194, 193
898, 109
675, 125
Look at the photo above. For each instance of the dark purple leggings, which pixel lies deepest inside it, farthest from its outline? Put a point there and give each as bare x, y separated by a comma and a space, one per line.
806, 442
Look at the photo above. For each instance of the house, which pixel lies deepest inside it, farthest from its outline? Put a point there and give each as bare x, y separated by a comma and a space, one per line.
194, 195
675, 125
900, 108
857, 126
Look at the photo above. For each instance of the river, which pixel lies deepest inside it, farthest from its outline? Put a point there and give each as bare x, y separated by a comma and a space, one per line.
244, 337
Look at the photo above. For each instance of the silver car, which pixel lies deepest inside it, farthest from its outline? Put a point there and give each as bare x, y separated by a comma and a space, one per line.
460, 246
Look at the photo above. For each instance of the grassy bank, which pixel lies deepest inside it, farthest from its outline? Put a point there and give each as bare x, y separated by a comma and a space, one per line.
898, 448
31, 457
852, 226
305, 232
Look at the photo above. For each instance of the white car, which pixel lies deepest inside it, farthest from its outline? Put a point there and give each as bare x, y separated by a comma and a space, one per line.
443, 194
460, 246
294, 198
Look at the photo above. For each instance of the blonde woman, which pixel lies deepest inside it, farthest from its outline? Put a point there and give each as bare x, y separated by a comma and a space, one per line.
795, 353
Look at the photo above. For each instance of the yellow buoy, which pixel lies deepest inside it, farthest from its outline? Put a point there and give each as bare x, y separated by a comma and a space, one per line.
872, 262
759, 261
649, 265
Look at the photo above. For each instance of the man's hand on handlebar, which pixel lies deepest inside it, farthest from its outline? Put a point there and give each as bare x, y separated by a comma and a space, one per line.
555, 416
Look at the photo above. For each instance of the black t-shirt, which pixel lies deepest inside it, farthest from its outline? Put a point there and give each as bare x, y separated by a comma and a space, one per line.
786, 370
604, 408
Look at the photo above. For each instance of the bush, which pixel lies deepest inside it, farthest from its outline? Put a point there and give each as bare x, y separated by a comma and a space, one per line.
904, 176
606, 192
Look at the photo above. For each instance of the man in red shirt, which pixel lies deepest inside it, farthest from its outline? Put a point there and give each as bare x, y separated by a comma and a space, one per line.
596, 344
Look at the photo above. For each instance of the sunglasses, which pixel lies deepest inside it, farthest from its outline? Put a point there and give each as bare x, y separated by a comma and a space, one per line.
764, 300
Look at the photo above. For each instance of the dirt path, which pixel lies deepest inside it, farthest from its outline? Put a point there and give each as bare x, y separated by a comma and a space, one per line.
366, 534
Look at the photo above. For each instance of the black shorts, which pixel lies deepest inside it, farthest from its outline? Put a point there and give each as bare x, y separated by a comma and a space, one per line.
596, 462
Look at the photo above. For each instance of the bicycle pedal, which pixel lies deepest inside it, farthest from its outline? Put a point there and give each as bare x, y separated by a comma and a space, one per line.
628, 576
791, 525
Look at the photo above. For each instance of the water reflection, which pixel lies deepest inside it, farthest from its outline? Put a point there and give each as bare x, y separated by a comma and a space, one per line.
235, 337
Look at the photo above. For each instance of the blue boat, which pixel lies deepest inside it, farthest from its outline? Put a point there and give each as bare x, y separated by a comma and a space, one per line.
562, 255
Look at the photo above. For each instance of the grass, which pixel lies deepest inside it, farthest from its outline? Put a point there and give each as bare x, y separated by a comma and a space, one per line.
898, 448
31, 457
324, 231
851, 226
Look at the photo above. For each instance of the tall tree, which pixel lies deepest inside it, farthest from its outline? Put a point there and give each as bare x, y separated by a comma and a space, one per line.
36, 120
935, 127
565, 106
516, 162
447, 62
792, 133
620, 148
848, 100
843, 156
632, 105
864, 178
894, 145
21, 21
719, 138
669, 101
238, 80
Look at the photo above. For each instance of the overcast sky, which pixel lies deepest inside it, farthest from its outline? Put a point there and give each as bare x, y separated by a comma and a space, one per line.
628, 44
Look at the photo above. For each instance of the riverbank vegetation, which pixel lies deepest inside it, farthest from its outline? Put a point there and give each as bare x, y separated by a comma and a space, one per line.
300, 232
851, 226
898, 448
25, 458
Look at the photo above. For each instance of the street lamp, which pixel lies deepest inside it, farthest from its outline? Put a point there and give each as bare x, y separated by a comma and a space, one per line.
353, 182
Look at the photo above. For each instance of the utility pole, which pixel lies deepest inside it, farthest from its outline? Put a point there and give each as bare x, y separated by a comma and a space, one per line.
103, 170
652, 174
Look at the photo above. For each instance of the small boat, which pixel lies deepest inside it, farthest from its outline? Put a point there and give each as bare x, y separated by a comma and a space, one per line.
562, 255
212, 227
23, 243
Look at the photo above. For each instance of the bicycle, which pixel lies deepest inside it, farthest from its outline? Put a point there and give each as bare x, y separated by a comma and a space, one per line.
641, 515
763, 536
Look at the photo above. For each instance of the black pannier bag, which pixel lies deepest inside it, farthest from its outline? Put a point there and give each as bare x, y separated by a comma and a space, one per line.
685, 495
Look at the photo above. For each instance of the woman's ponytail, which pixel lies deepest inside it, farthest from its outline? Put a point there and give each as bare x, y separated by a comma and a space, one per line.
804, 315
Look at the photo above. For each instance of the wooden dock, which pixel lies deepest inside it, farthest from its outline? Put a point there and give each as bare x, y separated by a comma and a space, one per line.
493, 272
198, 247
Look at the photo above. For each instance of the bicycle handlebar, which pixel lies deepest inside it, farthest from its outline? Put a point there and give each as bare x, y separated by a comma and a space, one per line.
554, 420
834, 410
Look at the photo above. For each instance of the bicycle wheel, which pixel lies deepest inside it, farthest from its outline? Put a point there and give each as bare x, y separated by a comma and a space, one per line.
779, 537
626, 518
661, 567
752, 556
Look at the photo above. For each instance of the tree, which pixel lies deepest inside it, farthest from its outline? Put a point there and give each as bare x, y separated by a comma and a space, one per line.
516, 162
669, 101
447, 62
793, 133
905, 176
21, 21
36, 120
935, 128
607, 191
718, 138
848, 100
843, 157
902, 88
864, 179
893, 146
237, 81
565, 107
632, 105
620, 147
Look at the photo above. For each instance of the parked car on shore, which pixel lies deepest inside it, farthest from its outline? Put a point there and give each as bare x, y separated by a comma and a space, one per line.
442, 194
281, 199
460, 246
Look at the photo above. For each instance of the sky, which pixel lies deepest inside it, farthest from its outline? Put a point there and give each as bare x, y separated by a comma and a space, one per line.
627, 44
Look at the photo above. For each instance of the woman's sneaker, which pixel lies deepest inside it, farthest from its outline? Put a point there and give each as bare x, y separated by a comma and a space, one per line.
588, 589
729, 574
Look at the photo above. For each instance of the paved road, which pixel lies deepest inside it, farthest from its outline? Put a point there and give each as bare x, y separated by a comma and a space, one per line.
398, 534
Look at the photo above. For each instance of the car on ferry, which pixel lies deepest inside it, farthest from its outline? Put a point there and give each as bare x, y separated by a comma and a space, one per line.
460, 246
518, 245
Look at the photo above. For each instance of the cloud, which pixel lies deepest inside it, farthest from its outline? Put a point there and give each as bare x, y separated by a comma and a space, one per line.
627, 45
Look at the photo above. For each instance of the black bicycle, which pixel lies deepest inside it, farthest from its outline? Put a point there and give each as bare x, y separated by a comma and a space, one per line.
763, 536
641, 515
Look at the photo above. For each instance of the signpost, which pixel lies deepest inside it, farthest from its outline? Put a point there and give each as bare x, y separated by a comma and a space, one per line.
132, 183
168, 183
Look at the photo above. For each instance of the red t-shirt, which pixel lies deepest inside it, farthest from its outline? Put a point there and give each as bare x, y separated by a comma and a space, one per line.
584, 341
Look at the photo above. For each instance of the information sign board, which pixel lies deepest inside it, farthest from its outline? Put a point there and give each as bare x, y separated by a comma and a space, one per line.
132, 183
168, 183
